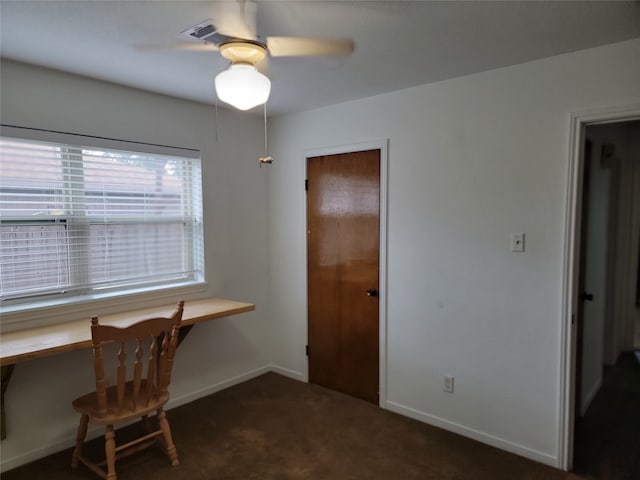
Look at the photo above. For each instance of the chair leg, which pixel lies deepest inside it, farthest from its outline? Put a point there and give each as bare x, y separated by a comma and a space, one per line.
82, 433
166, 433
110, 451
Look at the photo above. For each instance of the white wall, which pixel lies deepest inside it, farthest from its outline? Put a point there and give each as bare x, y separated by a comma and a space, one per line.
40, 418
470, 160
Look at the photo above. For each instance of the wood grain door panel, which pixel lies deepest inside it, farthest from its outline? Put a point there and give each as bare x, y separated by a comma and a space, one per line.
343, 243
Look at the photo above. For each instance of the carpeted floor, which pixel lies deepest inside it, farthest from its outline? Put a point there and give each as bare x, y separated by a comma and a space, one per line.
607, 441
273, 427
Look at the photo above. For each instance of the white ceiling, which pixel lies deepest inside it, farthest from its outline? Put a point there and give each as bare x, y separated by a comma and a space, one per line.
398, 44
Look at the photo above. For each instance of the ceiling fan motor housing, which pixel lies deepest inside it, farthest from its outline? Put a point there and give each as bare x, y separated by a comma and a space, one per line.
243, 51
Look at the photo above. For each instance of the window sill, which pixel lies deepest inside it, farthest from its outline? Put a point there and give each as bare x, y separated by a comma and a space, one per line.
48, 312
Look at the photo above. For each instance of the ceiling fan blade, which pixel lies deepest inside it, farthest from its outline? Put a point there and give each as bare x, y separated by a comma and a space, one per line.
236, 19
192, 47
308, 46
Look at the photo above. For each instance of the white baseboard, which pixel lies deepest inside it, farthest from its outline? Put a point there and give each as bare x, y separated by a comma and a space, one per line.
286, 372
49, 449
230, 382
473, 434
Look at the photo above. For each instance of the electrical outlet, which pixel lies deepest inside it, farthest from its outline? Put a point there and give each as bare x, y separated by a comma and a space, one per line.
448, 383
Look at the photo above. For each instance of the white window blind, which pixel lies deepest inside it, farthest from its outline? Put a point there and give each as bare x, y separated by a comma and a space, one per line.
76, 219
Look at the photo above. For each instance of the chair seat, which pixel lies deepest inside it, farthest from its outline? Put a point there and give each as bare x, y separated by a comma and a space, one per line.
88, 404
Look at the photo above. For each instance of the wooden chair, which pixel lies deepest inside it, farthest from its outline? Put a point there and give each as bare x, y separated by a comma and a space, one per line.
152, 341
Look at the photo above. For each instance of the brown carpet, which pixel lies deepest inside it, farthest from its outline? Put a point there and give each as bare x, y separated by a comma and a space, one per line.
273, 427
607, 441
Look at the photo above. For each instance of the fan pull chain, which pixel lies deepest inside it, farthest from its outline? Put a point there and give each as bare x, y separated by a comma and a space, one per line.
267, 158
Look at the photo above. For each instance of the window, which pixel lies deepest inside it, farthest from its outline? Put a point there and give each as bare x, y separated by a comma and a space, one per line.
79, 219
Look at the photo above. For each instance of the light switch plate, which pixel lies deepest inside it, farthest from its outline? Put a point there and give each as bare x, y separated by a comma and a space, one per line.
448, 383
517, 242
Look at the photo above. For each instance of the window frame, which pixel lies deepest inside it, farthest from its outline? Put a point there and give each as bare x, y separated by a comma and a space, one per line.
19, 310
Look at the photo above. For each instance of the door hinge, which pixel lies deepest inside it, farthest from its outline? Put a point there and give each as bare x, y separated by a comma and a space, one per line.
306, 350
306, 185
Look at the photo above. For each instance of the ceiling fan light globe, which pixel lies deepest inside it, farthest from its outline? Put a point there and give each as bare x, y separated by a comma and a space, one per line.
242, 86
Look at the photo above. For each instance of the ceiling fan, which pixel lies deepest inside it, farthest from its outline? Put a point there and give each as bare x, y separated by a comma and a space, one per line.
233, 33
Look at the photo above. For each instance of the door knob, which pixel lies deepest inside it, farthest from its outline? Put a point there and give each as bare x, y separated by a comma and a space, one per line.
372, 292
584, 296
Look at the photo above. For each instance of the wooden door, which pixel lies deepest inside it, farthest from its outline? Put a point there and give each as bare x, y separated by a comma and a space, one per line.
343, 251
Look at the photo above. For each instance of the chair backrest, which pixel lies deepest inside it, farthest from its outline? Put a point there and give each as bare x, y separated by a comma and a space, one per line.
154, 343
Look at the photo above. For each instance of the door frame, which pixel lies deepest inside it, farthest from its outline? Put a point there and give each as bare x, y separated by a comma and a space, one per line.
376, 144
570, 268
